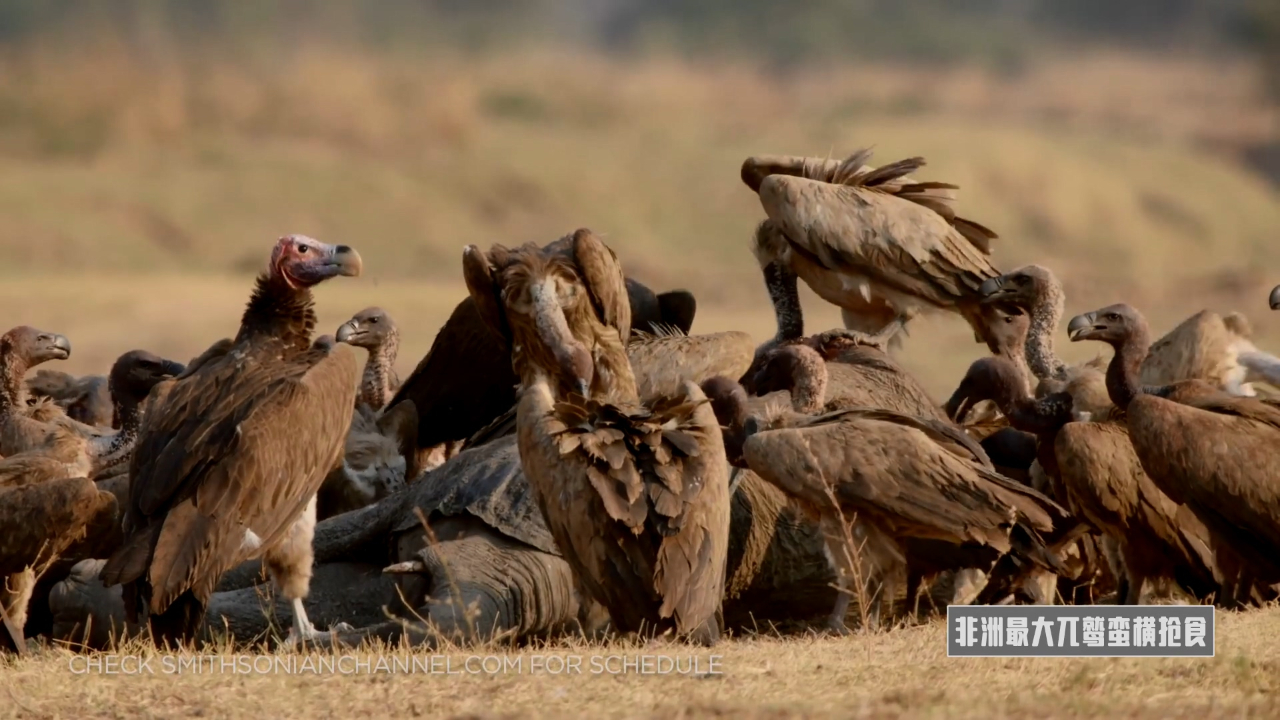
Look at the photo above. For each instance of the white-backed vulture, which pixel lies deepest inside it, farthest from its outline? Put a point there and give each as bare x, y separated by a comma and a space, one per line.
375, 331
906, 477
634, 494
1104, 482
374, 461
131, 379
230, 455
21, 349
872, 241
1212, 451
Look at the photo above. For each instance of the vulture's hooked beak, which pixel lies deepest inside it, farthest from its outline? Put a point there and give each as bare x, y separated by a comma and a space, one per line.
171, 368
992, 288
1275, 298
1083, 326
348, 330
58, 347
344, 260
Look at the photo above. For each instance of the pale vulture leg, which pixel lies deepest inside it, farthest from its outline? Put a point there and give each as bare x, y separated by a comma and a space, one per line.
289, 563
969, 583
869, 331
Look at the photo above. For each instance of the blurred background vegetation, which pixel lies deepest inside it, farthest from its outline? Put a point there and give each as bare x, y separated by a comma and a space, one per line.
150, 150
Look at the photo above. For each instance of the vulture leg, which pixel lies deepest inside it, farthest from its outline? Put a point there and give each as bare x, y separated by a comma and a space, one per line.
289, 563
881, 339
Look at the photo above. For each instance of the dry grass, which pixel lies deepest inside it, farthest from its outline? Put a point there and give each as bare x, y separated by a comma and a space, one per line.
902, 672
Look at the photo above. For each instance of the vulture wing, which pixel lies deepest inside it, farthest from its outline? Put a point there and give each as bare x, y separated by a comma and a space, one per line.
901, 235
1220, 461
898, 474
241, 446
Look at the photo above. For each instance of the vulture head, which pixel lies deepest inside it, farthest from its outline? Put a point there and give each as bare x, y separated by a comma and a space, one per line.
136, 372
561, 310
303, 262
1113, 324
729, 402
1005, 328
369, 328
989, 378
1024, 287
34, 346
785, 366
1275, 298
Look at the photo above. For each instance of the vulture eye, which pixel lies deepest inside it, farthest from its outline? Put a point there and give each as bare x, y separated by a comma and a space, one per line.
302, 249
373, 320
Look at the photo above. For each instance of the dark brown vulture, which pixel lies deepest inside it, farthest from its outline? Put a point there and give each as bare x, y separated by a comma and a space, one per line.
231, 454
375, 331
877, 244
635, 495
1216, 453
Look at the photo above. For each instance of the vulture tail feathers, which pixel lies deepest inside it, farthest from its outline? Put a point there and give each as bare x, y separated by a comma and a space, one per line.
180, 622
130, 561
1026, 542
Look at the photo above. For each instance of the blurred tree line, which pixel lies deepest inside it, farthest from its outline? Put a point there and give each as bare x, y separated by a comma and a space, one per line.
780, 32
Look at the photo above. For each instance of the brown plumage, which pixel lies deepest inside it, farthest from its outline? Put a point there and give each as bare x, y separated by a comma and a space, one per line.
871, 241
466, 380
40, 521
21, 349
826, 372
1212, 451
1103, 480
635, 495
231, 455
84, 399
374, 463
131, 379
375, 331
905, 477
663, 361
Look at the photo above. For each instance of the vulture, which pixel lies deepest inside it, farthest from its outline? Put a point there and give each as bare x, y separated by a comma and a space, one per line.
1212, 451
232, 452
21, 349
636, 495
1103, 481
84, 399
901, 477
131, 379
872, 241
375, 331
466, 381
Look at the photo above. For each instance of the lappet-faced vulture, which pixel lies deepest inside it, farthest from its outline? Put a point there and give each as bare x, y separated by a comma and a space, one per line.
1212, 451
636, 496
872, 241
231, 454
21, 349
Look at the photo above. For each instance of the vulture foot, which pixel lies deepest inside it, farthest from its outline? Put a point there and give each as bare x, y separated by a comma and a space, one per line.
304, 632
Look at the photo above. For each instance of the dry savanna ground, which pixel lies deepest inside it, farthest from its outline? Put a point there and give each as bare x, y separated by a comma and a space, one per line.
903, 672
137, 196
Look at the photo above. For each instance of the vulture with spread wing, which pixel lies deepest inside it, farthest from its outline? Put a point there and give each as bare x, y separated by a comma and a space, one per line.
635, 495
232, 452
874, 242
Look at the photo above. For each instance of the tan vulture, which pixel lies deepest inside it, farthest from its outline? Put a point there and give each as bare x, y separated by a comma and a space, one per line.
636, 495
872, 241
